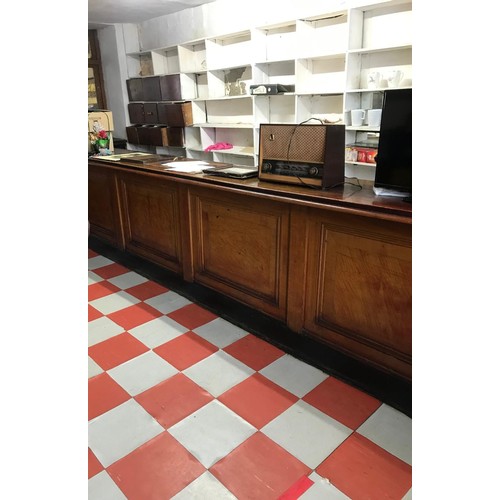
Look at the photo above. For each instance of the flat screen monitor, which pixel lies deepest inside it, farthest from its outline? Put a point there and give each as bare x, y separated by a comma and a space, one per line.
393, 175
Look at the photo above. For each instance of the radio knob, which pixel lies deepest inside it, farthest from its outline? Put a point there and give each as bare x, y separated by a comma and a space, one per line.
313, 171
266, 167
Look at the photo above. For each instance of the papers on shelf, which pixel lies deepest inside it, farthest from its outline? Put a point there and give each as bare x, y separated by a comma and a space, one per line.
192, 167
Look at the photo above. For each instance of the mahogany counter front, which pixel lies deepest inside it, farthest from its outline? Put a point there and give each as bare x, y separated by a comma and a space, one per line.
332, 264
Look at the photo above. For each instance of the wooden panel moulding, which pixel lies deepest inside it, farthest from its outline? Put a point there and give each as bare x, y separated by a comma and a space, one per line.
241, 249
152, 224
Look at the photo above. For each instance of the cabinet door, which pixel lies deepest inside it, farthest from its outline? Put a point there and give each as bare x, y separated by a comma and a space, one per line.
241, 248
134, 89
170, 86
136, 112
358, 288
151, 219
150, 112
151, 88
103, 208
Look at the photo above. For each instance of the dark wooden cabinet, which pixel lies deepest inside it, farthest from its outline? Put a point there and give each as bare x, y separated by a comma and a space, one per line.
134, 89
175, 114
152, 222
150, 113
151, 88
103, 211
241, 248
337, 272
170, 88
136, 113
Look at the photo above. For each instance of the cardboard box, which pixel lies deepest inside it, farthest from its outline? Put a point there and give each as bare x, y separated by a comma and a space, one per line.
104, 118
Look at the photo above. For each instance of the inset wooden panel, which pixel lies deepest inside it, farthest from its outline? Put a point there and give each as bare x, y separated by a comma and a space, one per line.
359, 289
241, 248
103, 211
152, 227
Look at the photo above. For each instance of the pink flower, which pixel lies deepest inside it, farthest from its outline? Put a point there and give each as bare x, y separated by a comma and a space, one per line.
102, 134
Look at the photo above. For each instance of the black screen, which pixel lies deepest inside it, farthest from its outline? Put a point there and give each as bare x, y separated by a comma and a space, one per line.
393, 170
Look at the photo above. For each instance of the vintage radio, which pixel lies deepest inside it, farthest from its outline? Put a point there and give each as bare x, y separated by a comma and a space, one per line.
311, 154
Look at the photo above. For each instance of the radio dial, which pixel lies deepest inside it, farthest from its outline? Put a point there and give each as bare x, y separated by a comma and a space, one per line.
313, 171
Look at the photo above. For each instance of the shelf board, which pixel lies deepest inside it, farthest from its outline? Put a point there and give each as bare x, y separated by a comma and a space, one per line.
380, 89
236, 150
379, 49
363, 128
364, 164
223, 125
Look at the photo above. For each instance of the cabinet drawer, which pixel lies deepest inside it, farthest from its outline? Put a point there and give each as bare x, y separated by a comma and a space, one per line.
150, 112
170, 88
136, 112
132, 135
151, 135
175, 115
134, 89
151, 88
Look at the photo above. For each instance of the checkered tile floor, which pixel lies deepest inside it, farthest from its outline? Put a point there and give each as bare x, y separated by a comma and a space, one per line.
182, 404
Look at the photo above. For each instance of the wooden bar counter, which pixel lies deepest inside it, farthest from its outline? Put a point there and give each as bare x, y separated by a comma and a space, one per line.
331, 264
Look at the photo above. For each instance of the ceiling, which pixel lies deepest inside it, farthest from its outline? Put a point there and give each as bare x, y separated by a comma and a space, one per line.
104, 12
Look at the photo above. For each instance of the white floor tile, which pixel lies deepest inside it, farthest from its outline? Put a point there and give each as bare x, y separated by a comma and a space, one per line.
306, 433
204, 488
212, 432
121, 430
158, 331
218, 373
294, 375
94, 278
407, 496
102, 487
391, 430
94, 368
322, 489
168, 302
102, 329
114, 302
99, 261
220, 332
128, 280
142, 372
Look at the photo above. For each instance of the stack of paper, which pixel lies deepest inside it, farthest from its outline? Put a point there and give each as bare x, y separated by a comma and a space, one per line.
192, 167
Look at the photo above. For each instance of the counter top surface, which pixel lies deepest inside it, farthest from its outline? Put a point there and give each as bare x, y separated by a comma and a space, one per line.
354, 195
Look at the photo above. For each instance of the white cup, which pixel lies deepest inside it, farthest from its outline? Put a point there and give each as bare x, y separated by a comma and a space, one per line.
394, 78
357, 117
374, 116
373, 80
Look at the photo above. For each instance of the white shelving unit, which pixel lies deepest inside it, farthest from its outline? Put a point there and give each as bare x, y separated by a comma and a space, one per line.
328, 57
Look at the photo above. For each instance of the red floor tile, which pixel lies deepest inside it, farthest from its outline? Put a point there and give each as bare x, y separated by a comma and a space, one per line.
185, 350
254, 352
135, 315
297, 489
116, 350
174, 399
111, 271
92, 253
342, 402
101, 289
259, 469
104, 394
192, 316
361, 469
94, 313
147, 290
158, 469
94, 465
258, 400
